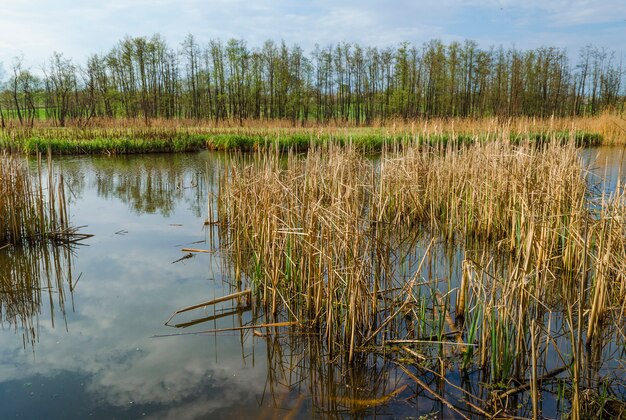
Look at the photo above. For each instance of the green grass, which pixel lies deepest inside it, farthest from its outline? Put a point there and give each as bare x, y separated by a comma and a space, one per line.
581, 138
112, 146
158, 140
374, 142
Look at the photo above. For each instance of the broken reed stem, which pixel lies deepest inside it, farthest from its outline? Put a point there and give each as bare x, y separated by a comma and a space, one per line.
208, 303
325, 231
534, 391
31, 211
221, 330
459, 308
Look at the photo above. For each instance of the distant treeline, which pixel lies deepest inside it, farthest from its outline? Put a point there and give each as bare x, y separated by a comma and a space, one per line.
145, 78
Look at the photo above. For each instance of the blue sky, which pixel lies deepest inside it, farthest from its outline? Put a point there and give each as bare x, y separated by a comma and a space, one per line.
36, 28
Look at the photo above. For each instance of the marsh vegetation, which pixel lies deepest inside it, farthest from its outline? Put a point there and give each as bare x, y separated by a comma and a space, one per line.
120, 136
397, 231
32, 209
532, 300
465, 278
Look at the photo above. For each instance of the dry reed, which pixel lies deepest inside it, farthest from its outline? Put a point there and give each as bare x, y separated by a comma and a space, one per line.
322, 238
116, 136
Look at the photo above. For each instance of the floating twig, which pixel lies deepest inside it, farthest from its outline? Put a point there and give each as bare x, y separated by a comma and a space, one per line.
210, 302
202, 251
211, 318
184, 257
243, 328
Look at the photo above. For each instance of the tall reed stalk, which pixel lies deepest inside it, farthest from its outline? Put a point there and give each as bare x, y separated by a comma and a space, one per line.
33, 208
322, 237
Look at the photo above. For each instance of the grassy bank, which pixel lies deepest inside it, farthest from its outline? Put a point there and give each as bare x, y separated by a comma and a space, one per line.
345, 247
364, 140
125, 137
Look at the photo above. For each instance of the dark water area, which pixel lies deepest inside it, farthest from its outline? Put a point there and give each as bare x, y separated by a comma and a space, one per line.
89, 342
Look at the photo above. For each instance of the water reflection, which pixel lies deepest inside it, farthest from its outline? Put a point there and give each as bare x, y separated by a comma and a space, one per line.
97, 356
607, 166
147, 184
33, 279
327, 386
102, 362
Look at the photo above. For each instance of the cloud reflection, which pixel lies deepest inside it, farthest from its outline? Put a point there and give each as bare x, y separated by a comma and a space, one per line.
127, 289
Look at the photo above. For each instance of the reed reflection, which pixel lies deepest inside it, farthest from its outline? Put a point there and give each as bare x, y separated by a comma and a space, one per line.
515, 280
35, 279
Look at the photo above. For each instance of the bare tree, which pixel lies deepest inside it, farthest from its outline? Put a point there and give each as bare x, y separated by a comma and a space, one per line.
60, 86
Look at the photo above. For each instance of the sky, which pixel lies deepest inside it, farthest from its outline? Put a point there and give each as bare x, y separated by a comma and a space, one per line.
35, 29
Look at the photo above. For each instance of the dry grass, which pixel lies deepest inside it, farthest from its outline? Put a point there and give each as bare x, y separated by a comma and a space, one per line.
33, 212
303, 235
133, 136
29, 209
323, 238
609, 124
32, 208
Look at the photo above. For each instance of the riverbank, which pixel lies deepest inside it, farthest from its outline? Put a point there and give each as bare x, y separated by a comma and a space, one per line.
114, 137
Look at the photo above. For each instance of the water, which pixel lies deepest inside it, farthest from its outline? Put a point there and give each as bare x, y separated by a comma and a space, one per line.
98, 347
101, 360
607, 165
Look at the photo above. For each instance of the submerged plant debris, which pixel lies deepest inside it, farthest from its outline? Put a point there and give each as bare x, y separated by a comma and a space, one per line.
489, 268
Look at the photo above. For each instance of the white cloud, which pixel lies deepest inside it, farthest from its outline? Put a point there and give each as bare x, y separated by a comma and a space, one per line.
38, 27
563, 13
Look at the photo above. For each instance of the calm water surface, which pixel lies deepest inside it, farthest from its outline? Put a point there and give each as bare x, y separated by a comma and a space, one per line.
87, 348
101, 360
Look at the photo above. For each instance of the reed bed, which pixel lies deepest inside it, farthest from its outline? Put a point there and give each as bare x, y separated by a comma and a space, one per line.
33, 208
306, 221
610, 125
343, 245
35, 244
30, 210
120, 136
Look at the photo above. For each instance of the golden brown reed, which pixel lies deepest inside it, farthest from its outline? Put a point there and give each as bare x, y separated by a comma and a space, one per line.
611, 126
607, 121
32, 212
321, 237
299, 227
33, 208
